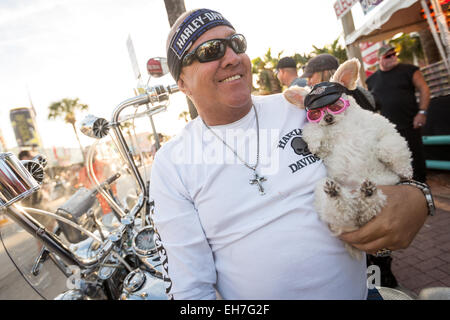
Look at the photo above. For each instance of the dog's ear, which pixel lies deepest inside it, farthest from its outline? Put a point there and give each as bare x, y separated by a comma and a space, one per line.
347, 74
296, 95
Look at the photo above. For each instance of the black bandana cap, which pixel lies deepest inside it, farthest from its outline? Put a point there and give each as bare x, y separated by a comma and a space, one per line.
192, 27
324, 94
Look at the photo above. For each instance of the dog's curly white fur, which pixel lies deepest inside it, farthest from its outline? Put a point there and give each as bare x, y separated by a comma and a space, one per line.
360, 150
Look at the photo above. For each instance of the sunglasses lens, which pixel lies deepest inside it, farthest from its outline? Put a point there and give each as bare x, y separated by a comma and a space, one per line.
215, 49
337, 106
238, 43
188, 59
210, 50
390, 55
314, 114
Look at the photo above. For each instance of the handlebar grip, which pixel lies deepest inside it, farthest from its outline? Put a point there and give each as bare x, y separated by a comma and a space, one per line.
107, 182
111, 179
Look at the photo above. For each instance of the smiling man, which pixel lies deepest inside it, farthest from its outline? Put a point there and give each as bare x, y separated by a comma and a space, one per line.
231, 216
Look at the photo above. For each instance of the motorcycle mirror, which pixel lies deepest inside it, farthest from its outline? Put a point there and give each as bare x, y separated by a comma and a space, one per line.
41, 160
94, 127
157, 67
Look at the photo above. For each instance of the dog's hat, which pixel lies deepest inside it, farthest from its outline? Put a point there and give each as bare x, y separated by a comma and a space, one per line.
323, 94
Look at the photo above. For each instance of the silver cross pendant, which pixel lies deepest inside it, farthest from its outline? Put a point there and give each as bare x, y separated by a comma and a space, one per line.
258, 181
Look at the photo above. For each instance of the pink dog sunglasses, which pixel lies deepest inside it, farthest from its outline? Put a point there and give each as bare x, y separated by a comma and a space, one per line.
315, 115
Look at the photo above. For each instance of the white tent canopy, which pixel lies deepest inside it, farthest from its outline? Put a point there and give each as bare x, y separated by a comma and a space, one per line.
392, 17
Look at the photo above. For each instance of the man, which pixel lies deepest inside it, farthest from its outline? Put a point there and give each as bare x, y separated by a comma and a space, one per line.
233, 192
322, 68
394, 86
287, 73
25, 155
102, 171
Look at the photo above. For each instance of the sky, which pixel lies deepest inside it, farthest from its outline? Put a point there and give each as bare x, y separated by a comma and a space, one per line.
53, 49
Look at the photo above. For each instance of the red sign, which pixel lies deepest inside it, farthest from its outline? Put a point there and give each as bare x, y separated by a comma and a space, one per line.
341, 7
154, 67
369, 55
371, 58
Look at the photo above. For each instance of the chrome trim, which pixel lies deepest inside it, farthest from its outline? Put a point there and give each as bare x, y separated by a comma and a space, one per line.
142, 252
52, 242
16, 182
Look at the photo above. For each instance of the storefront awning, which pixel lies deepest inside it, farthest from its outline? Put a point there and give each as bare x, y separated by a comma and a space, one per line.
392, 17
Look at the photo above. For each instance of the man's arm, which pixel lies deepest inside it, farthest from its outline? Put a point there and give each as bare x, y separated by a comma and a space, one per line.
396, 225
184, 250
424, 99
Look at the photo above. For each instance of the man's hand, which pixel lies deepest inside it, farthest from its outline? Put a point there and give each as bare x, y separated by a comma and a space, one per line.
396, 225
419, 120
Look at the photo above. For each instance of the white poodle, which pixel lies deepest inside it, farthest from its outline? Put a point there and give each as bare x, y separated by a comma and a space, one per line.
359, 148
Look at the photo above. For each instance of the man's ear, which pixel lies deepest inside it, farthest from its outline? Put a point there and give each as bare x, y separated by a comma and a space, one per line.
347, 74
296, 95
182, 86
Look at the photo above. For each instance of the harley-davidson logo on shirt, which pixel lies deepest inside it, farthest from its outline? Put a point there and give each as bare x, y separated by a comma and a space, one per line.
300, 147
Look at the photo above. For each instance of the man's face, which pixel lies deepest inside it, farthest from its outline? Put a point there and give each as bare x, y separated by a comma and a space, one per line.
315, 78
280, 73
220, 87
388, 60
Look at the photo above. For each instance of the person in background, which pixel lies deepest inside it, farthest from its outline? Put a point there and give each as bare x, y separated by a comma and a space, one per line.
394, 86
25, 155
322, 68
287, 73
102, 171
153, 149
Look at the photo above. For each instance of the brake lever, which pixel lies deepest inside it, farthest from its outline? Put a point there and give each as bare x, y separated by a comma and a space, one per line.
41, 258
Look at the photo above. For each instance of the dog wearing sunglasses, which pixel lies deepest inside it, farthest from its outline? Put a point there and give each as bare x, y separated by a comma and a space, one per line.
359, 148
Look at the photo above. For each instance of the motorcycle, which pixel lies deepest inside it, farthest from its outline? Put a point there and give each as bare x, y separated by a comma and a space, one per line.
99, 256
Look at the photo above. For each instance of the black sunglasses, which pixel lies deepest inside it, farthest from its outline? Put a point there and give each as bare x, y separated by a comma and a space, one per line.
388, 56
214, 49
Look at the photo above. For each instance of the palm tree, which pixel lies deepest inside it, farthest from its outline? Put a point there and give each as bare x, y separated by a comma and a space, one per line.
335, 49
263, 68
184, 115
66, 109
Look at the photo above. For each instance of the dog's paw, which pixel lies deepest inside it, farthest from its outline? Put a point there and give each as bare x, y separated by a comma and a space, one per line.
368, 188
331, 188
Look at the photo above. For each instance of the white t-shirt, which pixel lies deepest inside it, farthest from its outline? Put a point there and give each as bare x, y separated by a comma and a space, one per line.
219, 232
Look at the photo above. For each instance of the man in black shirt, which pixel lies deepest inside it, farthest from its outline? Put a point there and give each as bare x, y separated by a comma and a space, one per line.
393, 86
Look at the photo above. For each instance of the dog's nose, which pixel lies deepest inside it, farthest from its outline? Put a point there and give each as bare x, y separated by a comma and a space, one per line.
328, 118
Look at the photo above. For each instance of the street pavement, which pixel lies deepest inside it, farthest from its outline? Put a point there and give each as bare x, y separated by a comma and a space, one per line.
426, 262
23, 249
